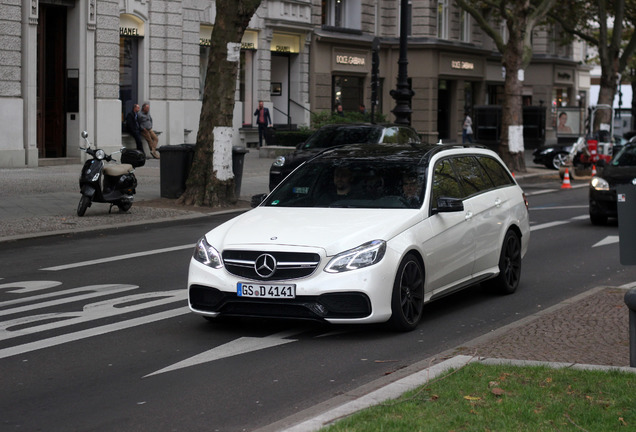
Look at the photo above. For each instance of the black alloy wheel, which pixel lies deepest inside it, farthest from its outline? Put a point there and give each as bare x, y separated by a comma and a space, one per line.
407, 301
509, 265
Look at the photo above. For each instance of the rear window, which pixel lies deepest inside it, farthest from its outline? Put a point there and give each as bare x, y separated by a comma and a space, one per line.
497, 173
330, 137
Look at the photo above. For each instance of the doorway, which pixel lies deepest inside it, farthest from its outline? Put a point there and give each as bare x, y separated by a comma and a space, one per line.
51, 97
443, 109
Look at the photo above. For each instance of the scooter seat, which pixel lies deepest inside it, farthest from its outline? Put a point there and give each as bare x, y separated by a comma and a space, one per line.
118, 170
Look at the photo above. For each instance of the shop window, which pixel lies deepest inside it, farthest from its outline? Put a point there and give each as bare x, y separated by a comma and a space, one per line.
128, 74
442, 19
344, 14
348, 91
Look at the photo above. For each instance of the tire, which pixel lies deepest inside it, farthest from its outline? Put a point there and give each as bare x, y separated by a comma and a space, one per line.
557, 161
598, 219
509, 275
84, 203
407, 299
124, 206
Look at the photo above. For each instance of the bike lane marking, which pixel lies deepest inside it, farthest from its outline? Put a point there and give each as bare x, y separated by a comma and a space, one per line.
95, 331
93, 291
118, 258
28, 325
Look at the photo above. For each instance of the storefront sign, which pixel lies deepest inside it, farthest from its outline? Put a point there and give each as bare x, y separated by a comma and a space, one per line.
285, 43
350, 60
463, 65
249, 41
563, 76
130, 26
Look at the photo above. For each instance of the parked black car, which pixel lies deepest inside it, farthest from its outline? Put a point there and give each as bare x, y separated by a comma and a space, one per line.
553, 156
620, 170
335, 135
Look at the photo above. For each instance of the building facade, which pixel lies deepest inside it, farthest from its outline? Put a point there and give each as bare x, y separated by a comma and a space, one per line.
73, 65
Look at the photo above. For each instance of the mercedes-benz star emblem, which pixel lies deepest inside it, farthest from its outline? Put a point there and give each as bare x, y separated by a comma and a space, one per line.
265, 266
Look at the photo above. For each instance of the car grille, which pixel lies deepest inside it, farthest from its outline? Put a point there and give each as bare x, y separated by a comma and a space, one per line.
260, 265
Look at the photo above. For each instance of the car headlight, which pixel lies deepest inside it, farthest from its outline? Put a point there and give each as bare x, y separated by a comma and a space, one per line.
599, 184
363, 256
279, 162
206, 254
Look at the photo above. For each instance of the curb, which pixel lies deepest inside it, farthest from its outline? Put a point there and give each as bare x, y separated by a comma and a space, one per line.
421, 372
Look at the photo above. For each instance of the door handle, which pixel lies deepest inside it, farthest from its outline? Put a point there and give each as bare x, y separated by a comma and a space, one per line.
469, 215
498, 202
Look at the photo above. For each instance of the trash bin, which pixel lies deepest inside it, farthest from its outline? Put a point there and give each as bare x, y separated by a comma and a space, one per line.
174, 166
238, 160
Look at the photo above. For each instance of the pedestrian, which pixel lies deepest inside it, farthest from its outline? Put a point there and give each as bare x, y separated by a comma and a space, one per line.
467, 129
132, 124
339, 110
263, 120
362, 109
145, 124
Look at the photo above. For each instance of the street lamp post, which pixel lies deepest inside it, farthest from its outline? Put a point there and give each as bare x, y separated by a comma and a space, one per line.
403, 94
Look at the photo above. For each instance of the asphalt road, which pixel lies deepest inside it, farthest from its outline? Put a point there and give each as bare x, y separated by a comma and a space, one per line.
95, 334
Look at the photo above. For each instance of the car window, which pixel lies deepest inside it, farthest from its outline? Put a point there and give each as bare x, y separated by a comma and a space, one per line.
390, 135
497, 173
333, 136
445, 182
408, 136
625, 157
472, 175
351, 183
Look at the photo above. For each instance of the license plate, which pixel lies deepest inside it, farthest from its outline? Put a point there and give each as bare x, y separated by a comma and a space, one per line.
265, 291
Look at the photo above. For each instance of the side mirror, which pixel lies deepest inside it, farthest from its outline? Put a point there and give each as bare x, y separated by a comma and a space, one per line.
257, 200
448, 205
84, 134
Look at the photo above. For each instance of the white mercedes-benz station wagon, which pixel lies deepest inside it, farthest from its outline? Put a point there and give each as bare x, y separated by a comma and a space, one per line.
365, 234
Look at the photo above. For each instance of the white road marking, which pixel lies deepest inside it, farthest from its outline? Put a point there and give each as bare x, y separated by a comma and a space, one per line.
239, 346
548, 225
607, 241
112, 307
118, 258
29, 286
96, 331
93, 291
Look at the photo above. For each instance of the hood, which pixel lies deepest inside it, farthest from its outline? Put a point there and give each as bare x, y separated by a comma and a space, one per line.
332, 229
618, 174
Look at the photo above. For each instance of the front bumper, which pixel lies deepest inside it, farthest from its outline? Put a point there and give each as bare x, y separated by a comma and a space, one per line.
358, 296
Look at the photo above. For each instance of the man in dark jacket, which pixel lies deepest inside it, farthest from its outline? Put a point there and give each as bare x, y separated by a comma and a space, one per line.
263, 120
132, 124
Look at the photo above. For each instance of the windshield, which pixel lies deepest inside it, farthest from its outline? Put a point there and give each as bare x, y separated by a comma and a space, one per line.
352, 184
329, 137
625, 157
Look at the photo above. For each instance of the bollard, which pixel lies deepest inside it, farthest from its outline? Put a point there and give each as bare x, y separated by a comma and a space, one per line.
630, 301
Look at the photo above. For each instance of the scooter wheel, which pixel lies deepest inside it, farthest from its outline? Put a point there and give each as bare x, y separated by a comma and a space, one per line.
124, 206
84, 203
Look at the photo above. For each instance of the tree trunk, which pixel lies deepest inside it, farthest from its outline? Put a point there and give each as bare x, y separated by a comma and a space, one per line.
211, 181
512, 147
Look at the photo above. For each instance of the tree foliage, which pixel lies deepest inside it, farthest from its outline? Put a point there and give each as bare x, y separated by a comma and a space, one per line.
520, 17
210, 181
608, 26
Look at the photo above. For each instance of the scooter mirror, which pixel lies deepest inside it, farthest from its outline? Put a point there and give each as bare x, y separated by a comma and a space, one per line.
84, 134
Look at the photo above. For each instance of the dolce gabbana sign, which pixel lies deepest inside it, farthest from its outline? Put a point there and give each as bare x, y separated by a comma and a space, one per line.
350, 60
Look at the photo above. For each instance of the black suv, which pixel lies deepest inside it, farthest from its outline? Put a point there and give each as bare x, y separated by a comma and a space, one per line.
335, 135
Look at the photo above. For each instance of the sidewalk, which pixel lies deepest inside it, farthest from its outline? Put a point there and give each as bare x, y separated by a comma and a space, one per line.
589, 329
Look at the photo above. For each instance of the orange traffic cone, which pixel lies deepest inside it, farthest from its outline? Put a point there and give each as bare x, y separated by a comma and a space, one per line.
566, 180
593, 169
